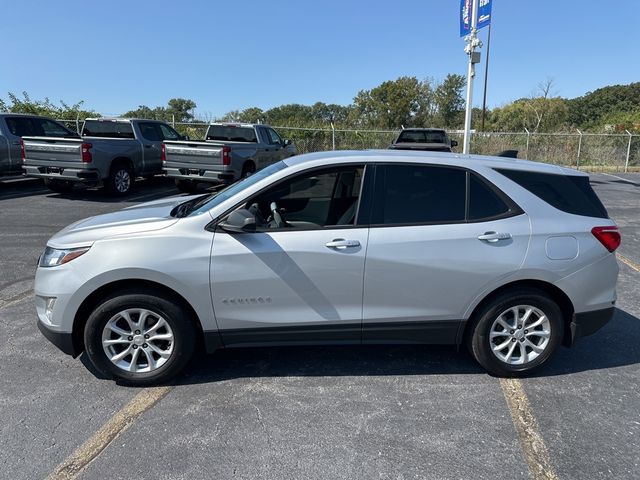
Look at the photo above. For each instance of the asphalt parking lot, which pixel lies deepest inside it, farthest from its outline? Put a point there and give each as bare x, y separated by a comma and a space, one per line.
396, 412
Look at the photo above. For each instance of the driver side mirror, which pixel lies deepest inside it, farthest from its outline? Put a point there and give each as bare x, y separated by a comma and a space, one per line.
185, 137
286, 142
240, 221
454, 143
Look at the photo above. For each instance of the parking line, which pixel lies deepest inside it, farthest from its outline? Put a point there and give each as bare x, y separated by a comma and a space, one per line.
73, 465
535, 451
15, 299
628, 262
621, 178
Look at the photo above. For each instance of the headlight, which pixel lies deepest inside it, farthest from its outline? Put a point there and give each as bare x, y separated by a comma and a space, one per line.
53, 257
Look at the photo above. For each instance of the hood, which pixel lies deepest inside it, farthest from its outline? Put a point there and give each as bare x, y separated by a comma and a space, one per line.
145, 217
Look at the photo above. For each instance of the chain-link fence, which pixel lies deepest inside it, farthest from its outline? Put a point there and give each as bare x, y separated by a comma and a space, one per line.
586, 151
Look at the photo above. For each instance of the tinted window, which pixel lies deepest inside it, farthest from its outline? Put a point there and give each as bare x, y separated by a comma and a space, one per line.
569, 193
418, 136
231, 133
274, 138
168, 133
53, 129
484, 202
107, 128
150, 131
416, 194
312, 200
36, 127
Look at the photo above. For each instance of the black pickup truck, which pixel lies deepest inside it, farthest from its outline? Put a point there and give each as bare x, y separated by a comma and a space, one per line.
430, 139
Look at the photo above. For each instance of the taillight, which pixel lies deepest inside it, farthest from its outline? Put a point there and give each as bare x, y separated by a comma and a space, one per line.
163, 153
23, 156
607, 236
86, 153
226, 155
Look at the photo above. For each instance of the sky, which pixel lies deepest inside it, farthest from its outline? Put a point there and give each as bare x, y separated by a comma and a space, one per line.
115, 55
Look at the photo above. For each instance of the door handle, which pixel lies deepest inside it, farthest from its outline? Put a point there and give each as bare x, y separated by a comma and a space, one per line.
493, 237
341, 244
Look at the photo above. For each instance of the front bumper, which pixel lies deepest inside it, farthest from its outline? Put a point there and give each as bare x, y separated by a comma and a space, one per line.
62, 340
586, 323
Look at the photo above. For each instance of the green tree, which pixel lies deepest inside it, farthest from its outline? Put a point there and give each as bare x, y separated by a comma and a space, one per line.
178, 109
591, 110
404, 101
45, 107
449, 101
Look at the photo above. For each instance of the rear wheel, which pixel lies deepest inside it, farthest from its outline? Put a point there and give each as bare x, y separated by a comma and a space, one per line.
139, 338
516, 333
58, 186
120, 181
187, 186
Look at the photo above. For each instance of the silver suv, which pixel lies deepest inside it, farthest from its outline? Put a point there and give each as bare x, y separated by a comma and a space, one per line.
509, 257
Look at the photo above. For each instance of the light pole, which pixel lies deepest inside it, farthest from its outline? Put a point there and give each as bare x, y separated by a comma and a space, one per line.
473, 42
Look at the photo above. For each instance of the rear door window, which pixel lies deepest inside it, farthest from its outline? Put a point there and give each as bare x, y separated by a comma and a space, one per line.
419, 194
569, 193
484, 201
150, 131
22, 127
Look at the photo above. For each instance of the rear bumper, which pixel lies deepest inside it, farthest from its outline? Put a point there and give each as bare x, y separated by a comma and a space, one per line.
62, 173
62, 340
586, 323
195, 174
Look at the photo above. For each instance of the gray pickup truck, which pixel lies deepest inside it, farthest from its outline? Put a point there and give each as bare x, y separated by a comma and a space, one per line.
14, 126
430, 139
109, 152
230, 151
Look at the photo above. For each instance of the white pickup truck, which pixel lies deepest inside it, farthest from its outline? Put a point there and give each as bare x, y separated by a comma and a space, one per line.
230, 151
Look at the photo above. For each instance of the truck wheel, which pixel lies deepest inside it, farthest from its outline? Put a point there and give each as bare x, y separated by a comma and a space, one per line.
120, 182
187, 186
248, 169
58, 186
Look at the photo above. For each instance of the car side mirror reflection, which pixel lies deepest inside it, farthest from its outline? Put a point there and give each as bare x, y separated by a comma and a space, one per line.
240, 221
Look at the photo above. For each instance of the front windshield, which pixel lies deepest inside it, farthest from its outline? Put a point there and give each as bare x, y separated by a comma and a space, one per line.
231, 190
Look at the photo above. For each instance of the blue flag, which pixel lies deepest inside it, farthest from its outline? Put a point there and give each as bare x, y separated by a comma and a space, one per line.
484, 15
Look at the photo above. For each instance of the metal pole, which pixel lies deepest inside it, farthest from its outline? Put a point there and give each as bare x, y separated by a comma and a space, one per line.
78, 125
472, 43
486, 73
626, 162
173, 120
579, 148
528, 135
333, 136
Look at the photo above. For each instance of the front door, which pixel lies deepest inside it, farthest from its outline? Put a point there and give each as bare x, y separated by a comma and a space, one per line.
299, 278
431, 251
151, 138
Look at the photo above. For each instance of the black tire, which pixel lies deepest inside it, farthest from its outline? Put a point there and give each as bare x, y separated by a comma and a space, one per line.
248, 169
187, 186
180, 324
481, 345
58, 186
121, 179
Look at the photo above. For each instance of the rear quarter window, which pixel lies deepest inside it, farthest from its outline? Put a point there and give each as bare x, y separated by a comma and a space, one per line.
569, 193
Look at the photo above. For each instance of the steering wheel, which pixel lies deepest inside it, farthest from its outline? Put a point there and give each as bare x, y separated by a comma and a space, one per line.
275, 215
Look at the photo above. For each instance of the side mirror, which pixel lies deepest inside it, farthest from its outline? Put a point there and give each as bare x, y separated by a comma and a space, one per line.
286, 142
454, 143
185, 137
240, 221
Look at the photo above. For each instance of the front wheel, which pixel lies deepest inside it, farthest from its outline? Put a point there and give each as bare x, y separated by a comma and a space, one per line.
139, 338
516, 333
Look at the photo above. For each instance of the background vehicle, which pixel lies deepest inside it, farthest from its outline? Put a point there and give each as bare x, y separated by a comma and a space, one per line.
510, 257
229, 152
14, 126
110, 152
430, 139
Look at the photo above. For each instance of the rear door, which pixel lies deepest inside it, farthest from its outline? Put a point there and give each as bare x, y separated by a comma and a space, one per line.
151, 138
433, 248
301, 281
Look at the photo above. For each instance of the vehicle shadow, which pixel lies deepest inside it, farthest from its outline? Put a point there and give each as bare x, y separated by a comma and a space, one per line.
144, 190
21, 187
616, 345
